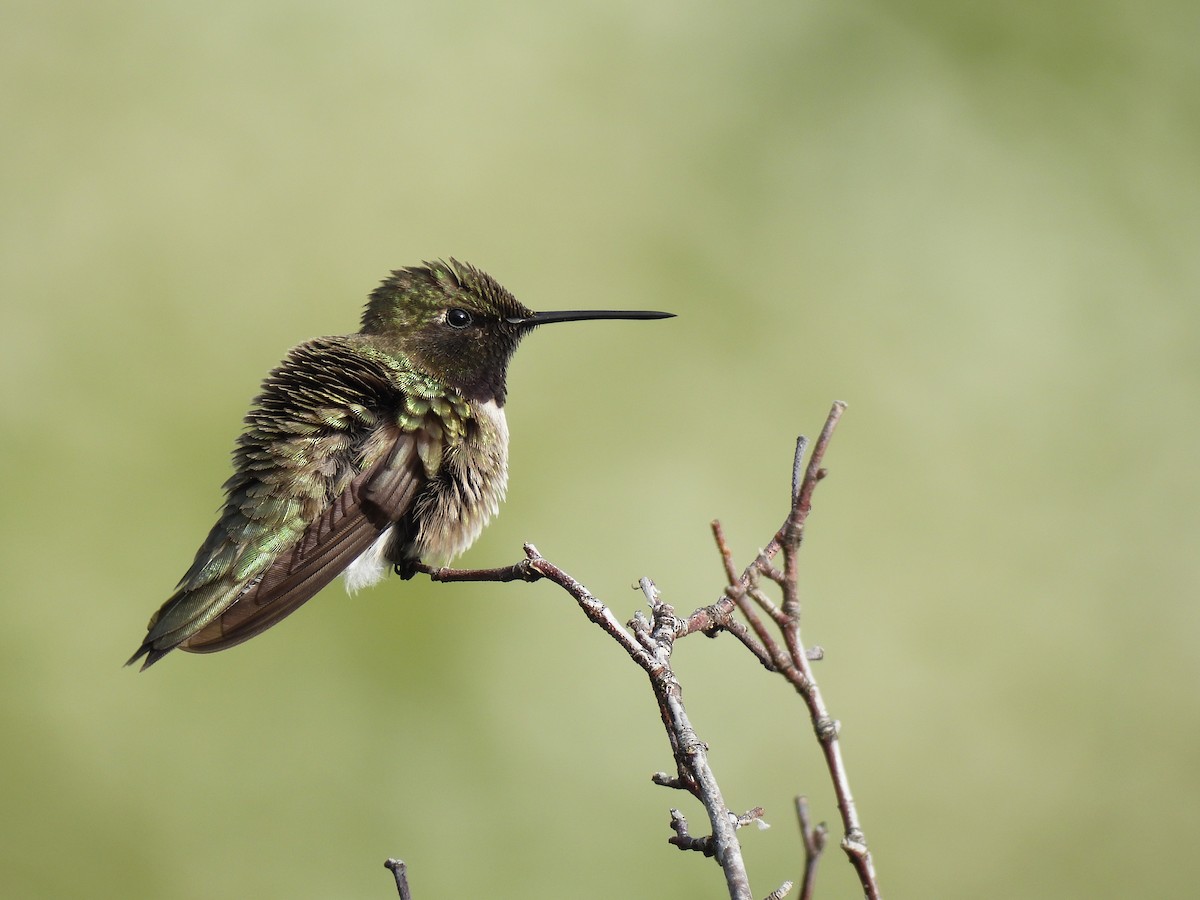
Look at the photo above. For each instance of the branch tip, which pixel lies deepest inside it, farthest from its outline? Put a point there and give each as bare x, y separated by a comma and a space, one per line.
400, 872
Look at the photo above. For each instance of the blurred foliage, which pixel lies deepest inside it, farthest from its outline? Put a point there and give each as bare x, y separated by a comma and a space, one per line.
976, 223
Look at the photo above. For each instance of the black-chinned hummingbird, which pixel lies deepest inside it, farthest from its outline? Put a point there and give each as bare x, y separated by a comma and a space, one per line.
362, 453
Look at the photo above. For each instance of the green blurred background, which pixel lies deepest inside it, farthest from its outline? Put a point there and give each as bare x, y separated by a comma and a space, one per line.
976, 223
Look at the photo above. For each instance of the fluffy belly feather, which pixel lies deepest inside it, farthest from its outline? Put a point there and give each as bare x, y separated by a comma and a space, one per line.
451, 515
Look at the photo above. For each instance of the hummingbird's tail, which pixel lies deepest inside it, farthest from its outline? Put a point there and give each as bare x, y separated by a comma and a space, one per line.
152, 655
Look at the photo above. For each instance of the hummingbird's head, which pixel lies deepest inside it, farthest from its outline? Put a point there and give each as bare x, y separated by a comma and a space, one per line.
451, 320
460, 325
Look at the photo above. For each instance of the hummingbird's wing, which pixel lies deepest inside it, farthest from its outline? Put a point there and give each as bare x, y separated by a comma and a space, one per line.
324, 466
347, 527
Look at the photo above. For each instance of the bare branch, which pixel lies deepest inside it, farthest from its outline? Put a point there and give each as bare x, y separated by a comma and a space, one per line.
522, 571
799, 673
691, 754
793, 661
650, 640
814, 844
400, 872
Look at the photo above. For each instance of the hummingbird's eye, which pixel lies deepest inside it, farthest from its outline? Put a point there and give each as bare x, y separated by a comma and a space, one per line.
458, 318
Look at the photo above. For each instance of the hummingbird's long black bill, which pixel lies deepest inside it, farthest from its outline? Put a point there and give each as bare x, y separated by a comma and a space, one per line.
578, 315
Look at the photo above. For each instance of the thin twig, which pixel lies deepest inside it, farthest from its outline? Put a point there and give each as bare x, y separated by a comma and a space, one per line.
791, 536
765, 649
522, 571
400, 873
794, 663
800, 674
814, 844
798, 511
739, 631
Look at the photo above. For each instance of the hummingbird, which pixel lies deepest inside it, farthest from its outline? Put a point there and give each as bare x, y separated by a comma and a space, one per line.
363, 454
